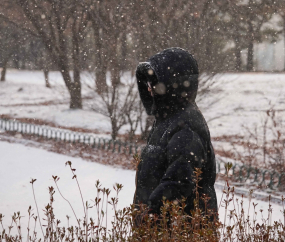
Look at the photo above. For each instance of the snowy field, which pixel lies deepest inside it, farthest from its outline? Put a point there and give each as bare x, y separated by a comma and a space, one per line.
242, 100
20, 163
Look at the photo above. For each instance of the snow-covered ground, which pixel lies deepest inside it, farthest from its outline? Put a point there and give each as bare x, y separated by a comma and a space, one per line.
243, 100
19, 164
24, 95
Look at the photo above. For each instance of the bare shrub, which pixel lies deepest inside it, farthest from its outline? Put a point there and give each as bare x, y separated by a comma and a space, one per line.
259, 154
263, 145
137, 224
120, 103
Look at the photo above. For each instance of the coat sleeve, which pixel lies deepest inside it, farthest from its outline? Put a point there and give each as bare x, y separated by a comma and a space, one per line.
185, 151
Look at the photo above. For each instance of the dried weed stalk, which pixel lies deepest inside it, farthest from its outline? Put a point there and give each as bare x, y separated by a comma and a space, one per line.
173, 224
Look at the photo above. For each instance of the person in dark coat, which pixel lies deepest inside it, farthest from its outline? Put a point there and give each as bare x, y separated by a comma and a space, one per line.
179, 140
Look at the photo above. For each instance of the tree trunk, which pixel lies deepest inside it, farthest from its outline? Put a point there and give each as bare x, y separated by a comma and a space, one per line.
4, 70
75, 96
114, 129
76, 99
115, 73
3, 73
74, 88
16, 61
75, 91
237, 53
238, 58
284, 38
123, 57
209, 58
46, 71
249, 66
250, 56
100, 59
100, 73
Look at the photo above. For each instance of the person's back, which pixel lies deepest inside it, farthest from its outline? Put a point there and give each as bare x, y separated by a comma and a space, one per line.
179, 141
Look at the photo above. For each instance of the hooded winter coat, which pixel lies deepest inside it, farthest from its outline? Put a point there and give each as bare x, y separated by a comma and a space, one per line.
180, 139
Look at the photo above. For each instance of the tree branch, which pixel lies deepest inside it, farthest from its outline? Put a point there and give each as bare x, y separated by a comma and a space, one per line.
7, 20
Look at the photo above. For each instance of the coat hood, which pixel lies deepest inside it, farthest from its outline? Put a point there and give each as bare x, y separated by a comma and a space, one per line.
173, 75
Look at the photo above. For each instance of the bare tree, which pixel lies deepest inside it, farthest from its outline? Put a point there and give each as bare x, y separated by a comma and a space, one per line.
101, 58
192, 25
279, 8
109, 20
257, 14
57, 23
45, 65
10, 38
119, 104
232, 15
133, 110
243, 23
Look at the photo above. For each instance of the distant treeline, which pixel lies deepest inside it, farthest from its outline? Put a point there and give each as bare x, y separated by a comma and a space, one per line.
114, 35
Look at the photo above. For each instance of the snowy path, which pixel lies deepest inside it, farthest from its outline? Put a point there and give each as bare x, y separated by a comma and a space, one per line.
20, 163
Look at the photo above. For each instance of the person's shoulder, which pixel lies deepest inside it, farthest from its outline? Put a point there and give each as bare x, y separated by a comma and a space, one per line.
191, 118
194, 120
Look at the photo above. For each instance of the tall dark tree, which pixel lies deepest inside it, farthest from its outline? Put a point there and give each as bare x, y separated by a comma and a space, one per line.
192, 25
256, 13
57, 23
279, 7
110, 24
243, 23
12, 39
9, 40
